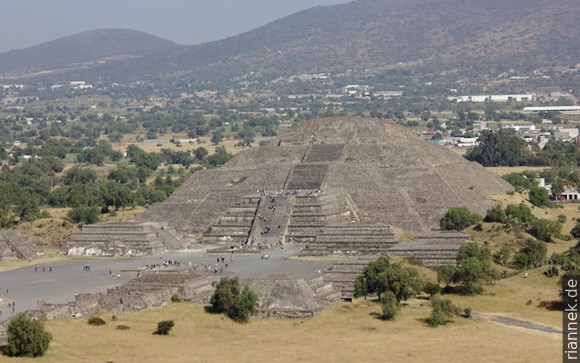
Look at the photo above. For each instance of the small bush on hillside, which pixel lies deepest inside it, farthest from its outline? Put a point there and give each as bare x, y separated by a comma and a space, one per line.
531, 255
122, 327
390, 305
163, 327
495, 214
175, 298
95, 320
458, 219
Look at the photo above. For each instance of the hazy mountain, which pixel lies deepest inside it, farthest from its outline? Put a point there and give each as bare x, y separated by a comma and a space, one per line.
83, 49
370, 36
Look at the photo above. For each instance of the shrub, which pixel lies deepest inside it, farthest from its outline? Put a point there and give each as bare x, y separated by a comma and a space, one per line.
575, 232
562, 218
467, 313
545, 230
26, 338
163, 327
390, 305
458, 219
495, 214
95, 320
443, 311
539, 197
229, 299
175, 298
552, 271
114, 318
122, 327
531, 255
519, 214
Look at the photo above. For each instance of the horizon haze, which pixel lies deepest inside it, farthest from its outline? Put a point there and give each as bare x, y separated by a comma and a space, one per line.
32, 22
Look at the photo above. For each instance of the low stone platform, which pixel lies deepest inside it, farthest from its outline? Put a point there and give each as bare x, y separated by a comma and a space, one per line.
432, 249
278, 296
111, 239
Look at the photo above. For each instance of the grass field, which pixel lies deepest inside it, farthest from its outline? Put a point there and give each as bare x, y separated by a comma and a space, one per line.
131, 139
503, 170
342, 333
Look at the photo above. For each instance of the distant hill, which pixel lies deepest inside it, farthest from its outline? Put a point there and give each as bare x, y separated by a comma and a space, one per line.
83, 49
371, 36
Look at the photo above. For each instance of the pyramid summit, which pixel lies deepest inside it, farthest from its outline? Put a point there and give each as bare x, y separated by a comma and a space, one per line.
333, 171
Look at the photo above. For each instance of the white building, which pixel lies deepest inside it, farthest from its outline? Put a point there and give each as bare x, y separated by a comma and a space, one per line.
560, 109
492, 98
566, 133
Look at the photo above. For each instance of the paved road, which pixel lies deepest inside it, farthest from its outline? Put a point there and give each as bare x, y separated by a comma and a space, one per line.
521, 324
27, 285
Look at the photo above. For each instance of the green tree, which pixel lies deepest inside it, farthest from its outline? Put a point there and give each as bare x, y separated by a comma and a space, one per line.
458, 219
474, 266
229, 299
446, 274
500, 148
519, 214
531, 255
545, 229
84, 214
432, 288
26, 337
380, 276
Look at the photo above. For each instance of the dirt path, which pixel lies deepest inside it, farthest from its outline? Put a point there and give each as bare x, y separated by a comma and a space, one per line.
504, 320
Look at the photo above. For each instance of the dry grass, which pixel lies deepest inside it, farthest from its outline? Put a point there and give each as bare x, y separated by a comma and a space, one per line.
50, 232
342, 333
510, 297
131, 139
504, 170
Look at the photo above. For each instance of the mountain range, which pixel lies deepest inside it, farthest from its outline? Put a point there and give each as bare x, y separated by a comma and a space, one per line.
363, 37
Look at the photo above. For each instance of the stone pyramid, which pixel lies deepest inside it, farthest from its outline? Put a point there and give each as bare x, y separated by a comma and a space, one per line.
380, 173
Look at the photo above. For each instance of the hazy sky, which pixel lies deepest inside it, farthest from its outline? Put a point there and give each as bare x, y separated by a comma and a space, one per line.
25, 23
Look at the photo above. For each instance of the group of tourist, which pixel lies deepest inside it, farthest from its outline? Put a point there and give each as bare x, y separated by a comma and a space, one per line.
43, 269
288, 193
166, 263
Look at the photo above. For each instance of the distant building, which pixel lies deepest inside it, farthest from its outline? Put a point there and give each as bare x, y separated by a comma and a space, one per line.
492, 98
565, 134
560, 109
570, 194
467, 142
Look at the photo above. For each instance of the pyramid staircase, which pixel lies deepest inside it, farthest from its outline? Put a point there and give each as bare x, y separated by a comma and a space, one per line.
235, 226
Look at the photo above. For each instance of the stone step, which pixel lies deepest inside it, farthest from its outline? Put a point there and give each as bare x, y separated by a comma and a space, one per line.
321, 287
